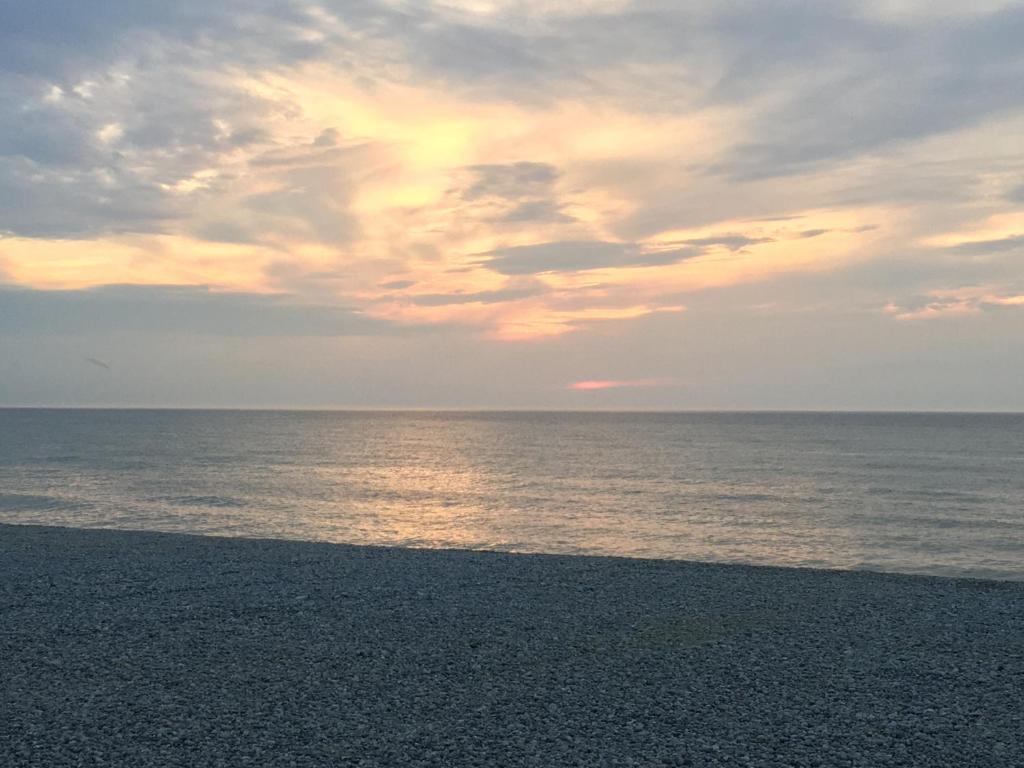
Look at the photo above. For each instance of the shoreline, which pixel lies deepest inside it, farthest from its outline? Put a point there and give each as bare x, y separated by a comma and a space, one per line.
1019, 580
146, 648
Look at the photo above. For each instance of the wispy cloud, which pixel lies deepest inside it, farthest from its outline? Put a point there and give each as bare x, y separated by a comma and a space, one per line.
955, 302
176, 310
579, 256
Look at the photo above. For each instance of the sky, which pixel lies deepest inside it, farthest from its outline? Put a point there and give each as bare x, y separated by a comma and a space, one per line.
595, 204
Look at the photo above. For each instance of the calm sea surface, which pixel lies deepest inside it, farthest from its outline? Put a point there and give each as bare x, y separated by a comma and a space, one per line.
922, 493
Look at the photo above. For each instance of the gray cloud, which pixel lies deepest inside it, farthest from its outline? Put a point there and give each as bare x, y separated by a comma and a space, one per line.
952, 302
78, 203
63, 40
59, 177
524, 192
174, 309
849, 84
290, 277
732, 242
511, 181
986, 247
820, 84
579, 255
43, 134
478, 297
536, 211
824, 83
307, 197
309, 203
156, 73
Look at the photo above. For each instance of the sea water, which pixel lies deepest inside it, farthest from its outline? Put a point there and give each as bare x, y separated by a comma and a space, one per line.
921, 493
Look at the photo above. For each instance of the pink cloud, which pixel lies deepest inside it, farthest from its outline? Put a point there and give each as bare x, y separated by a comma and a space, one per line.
585, 386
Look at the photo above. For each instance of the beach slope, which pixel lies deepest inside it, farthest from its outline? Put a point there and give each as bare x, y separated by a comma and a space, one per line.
144, 649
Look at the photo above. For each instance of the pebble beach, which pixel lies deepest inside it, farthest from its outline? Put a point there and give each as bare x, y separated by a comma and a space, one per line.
145, 649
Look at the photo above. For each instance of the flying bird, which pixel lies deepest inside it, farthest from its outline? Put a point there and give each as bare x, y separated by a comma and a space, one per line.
97, 363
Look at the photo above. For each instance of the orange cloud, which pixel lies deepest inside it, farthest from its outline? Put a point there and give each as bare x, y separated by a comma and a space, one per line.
586, 386
355, 186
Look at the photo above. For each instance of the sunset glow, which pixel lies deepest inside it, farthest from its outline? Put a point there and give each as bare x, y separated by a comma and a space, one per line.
492, 175
586, 386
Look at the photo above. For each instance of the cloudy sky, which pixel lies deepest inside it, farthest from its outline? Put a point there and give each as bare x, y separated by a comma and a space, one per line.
512, 203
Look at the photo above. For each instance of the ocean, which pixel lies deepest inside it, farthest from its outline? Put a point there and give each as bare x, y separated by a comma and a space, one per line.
917, 493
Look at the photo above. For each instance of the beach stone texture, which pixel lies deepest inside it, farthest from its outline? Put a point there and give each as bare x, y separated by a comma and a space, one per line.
144, 649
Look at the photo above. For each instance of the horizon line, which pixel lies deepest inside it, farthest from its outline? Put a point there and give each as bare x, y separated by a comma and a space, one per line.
455, 409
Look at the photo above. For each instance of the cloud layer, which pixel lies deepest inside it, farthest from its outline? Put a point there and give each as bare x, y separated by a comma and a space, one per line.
511, 173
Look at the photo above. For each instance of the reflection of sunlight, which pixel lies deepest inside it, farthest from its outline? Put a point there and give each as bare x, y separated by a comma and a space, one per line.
490, 484
417, 491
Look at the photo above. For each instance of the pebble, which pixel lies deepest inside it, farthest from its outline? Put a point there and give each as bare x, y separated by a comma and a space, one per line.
143, 649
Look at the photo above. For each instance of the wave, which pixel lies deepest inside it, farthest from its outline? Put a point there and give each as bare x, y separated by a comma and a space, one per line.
205, 501
29, 502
